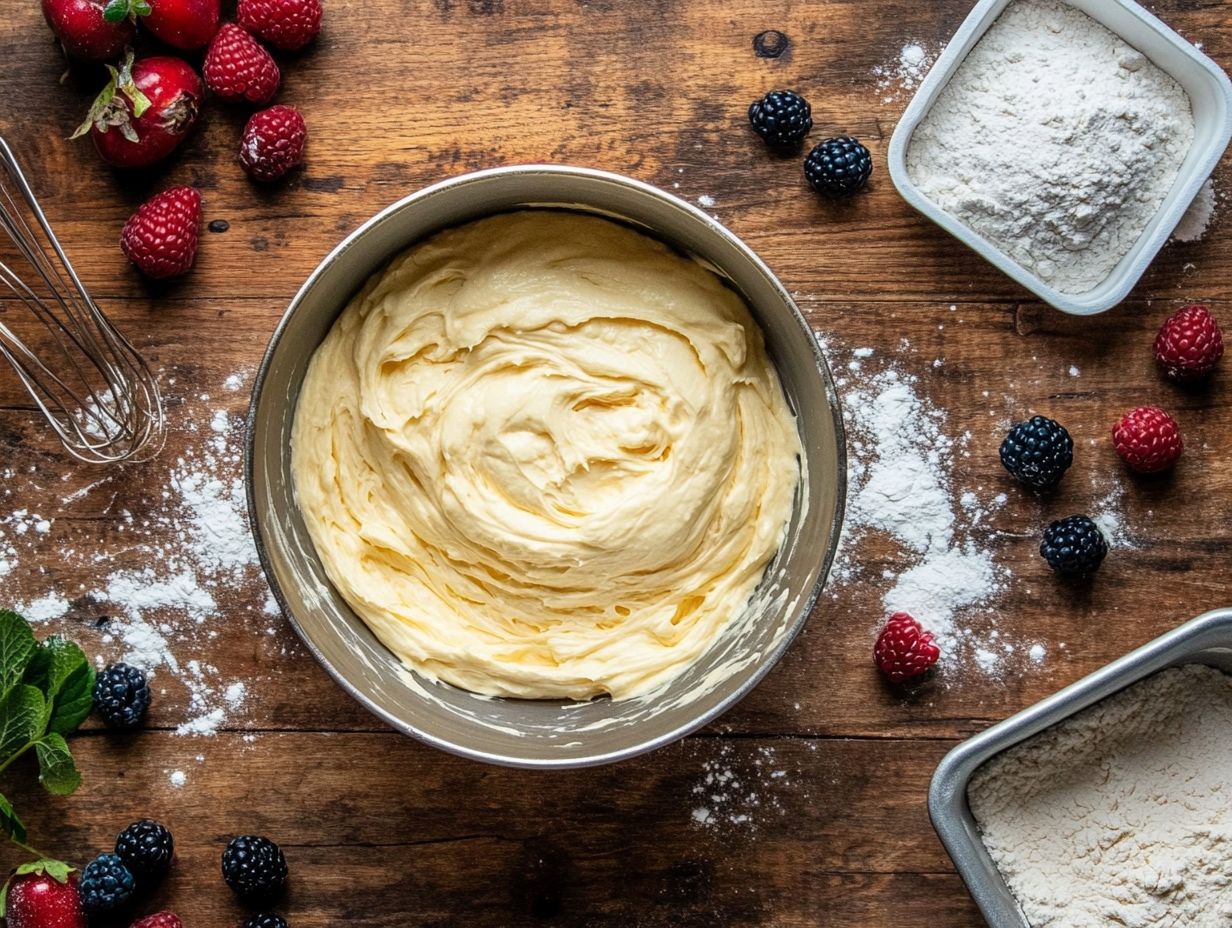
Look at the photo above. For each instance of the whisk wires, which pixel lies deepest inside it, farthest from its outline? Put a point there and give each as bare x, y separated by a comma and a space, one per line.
94, 389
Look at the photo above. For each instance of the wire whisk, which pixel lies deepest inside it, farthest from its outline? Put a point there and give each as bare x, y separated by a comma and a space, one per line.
89, 382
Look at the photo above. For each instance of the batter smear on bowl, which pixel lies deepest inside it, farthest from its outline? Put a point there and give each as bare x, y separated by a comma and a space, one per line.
544, 456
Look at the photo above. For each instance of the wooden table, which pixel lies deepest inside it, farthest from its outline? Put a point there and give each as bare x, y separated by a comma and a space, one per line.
380, 830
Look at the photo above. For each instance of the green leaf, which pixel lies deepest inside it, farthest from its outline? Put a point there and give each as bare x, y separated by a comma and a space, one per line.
23, 719
11, 825
141, 8
57, 772
58, 870
115, 11
75, 699
16, 649
53, 663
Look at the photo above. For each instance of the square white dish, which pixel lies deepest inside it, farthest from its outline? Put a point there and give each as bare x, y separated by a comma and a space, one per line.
1210, 95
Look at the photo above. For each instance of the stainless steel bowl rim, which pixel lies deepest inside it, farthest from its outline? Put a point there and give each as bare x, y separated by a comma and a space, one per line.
767, 661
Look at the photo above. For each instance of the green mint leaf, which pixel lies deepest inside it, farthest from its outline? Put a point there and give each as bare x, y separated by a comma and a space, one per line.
141, 8
23, 719
53, 663
16, 649
75, 698
115, 11
57, 772
10, 824
4, 898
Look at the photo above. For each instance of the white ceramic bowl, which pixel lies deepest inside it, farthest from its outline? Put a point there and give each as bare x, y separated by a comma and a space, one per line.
1210, 94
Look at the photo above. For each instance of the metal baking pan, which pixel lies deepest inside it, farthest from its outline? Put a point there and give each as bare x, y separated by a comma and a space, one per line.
1204, 640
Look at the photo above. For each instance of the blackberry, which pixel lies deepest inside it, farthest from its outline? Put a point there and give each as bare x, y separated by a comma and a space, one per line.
121, 695
782, 119
1038, 452
1074, 547
264, 920
254, 868
838, 167
106, 884
146, 848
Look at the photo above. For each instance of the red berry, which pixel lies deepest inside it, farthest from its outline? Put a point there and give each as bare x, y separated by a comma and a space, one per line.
1148, 439
237, 67
285, 24
146, 110
904, 650
273, 142
1189, 343
161, 237
38, 900
159, 920
81, 29
183, 24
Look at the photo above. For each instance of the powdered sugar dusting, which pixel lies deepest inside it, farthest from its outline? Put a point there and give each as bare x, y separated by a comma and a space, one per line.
905, 71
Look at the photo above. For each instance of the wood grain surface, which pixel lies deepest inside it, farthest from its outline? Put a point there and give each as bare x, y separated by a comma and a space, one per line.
827, 824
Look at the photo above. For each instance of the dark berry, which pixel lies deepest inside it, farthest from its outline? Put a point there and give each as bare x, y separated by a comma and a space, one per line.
254, 868
146, 848
838, 167
106, 884
121, 695
782, 118
1038, 452
1074, 547
264, 920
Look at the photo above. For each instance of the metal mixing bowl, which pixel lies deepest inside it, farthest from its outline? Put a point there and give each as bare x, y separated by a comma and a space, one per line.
528, 733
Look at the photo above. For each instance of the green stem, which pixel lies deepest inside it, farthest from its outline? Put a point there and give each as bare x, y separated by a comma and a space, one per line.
5, 765
38, 855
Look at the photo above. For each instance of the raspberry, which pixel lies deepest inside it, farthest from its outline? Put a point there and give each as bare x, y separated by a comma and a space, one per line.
288, 25
904, 650
254, 868
1189, 343
273, 142
1148, 439
146, 848
121, 695
159, 920
161, 237
237, 67
1074, 547
1038, 452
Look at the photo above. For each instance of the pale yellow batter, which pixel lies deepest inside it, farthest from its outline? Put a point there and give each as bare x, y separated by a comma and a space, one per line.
541, 455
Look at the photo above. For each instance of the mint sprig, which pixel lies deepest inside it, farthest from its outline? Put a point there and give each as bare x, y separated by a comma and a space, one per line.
46, 691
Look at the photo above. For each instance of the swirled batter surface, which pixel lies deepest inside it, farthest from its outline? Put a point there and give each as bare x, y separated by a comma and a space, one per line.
544, 456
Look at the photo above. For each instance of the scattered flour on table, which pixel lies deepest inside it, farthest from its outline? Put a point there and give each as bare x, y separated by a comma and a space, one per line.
1120, 814
1056, 141
738, 791
901, 484
904, 72
196, 543
1198, 216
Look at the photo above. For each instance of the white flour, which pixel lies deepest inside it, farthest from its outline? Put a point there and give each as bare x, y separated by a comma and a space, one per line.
905, 72
1055, 140
900, 465
1120, 815
198, 548
1198, 216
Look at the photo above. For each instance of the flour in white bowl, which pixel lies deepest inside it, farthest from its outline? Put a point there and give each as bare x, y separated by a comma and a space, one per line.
1120, 814
1055, 140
